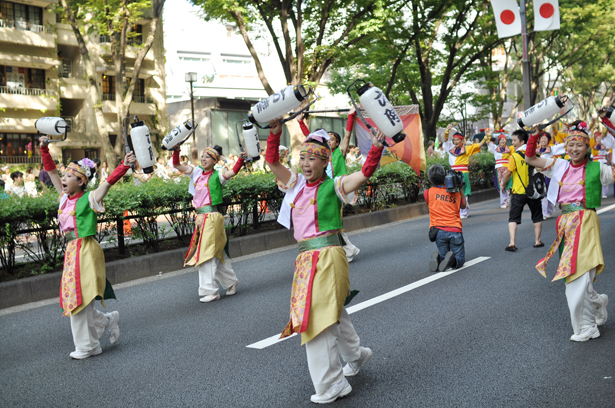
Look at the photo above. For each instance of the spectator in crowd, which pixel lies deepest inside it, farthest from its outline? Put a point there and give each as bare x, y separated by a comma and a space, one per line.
3, 194
104, 171
430, 150
445, 221
139, 177
29, 147
60, 167
43, 178
30, 182
17, 188
95, 181
284, 155
7, 175
160, 170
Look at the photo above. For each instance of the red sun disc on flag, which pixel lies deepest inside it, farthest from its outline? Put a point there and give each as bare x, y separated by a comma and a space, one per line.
507, 17
547, 10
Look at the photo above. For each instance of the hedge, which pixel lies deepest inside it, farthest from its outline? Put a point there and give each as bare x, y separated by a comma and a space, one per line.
247, 198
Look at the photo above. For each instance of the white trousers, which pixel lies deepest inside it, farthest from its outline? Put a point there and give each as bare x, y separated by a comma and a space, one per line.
323, 353
582, 302
87, 327
465, 211
349, 248
213, 270
547, 208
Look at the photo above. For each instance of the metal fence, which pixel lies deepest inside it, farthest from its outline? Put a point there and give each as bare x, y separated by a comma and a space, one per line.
20, 159
22, 25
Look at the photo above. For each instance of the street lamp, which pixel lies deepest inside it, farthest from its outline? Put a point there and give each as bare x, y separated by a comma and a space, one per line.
191, 77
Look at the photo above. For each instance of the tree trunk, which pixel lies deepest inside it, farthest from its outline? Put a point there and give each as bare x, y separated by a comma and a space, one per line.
93, 94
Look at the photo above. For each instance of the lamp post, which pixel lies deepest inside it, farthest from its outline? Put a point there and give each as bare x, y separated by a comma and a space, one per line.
191, 77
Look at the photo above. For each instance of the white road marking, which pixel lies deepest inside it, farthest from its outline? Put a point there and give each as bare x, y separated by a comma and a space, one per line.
605, 209
270, 341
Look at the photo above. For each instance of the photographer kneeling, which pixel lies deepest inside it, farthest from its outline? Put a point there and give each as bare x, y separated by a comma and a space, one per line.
444, 200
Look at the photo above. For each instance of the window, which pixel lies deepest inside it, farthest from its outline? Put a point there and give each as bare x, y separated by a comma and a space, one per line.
108, 88
138, 38
138, 95
21, 16
14, 144
37, 78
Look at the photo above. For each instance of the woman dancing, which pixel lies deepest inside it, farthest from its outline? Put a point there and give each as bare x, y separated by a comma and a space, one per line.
321, 284
84, 277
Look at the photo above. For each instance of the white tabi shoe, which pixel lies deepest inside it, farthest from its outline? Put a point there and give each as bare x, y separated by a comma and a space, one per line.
113, 326
352, 369
80, 355
210, 298
339, 390
354, 253
601, 313
586, 334
232, 290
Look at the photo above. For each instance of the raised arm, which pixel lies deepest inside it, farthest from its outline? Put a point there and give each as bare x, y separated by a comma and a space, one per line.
272, 155
113, 178
177, 163
355, 180
530, 151
349, 124
49, 165
304, 129
238, 165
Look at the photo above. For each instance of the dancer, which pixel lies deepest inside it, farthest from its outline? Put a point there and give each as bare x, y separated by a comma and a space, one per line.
601, 152
518, 170
459, 158
545, 151
321, 284
84, 278
207, 246
337, 167
502, 153
576, 186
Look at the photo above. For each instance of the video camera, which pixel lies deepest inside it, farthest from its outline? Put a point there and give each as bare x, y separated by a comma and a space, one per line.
453, 181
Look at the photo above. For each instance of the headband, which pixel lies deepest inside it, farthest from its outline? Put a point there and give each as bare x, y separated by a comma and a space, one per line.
78, 171
458, 136
335, 136
213, 153
314, 149
578, 133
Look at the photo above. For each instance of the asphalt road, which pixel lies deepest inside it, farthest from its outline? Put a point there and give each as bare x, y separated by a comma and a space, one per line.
495, 334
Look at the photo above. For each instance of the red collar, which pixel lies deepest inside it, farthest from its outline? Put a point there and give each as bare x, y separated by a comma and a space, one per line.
317, 182
76, 196
583, 163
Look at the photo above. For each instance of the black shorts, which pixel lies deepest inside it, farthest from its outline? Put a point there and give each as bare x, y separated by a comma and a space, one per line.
518, 201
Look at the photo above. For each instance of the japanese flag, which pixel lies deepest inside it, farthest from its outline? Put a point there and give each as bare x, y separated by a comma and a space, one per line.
546, 15
507, 17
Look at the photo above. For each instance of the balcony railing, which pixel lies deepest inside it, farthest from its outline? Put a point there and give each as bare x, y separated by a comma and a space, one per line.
20, 159
104, 39
130, 41
142, 99
108, 97
22, 25
68, 70
27, 91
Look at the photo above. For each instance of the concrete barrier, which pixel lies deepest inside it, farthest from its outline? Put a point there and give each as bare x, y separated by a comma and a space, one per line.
33, 289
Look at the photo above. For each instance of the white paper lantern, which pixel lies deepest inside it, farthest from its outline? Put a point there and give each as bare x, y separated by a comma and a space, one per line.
251, 141
278, 104
51, 126
177, 135
541, 111
381, 112
142, 145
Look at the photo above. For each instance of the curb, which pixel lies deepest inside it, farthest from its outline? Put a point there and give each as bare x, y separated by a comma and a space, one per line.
34, 289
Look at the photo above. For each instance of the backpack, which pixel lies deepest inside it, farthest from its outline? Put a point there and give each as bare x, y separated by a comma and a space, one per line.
537, 187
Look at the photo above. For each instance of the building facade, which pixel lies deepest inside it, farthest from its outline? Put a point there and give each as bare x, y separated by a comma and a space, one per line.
42, 74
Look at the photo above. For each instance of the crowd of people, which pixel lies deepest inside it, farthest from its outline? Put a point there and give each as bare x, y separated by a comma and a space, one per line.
577, 164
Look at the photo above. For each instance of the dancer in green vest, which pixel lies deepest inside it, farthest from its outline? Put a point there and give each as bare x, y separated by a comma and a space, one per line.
206, 251
83, 277
577, 186
321, 284
337, 167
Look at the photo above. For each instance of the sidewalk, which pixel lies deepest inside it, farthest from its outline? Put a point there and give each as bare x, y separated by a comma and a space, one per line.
33, 289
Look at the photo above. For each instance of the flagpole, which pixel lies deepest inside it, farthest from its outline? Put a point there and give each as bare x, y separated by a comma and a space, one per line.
527, 96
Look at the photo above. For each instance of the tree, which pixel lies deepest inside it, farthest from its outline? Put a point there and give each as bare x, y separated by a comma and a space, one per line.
308, 35
116, 19
424, 52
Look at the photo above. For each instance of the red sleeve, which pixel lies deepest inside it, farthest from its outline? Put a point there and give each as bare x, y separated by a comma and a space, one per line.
426, 193
304, 127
